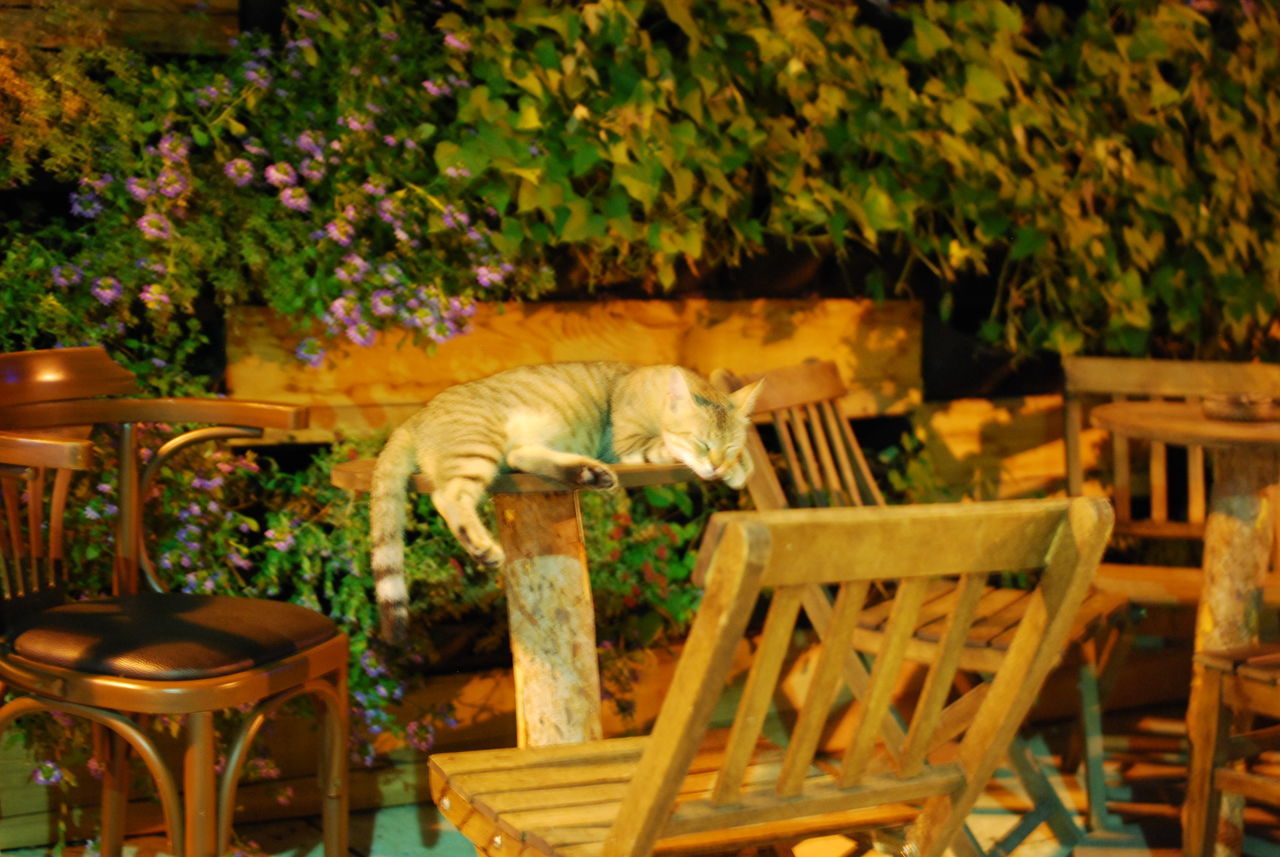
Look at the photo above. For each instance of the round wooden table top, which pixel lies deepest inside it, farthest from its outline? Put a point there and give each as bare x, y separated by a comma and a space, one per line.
357, 475
1182, 423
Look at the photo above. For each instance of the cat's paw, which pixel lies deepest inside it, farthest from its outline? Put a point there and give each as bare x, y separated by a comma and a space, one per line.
481, 546
594, 474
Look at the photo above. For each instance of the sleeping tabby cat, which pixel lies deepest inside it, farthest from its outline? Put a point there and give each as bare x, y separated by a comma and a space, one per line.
564, 421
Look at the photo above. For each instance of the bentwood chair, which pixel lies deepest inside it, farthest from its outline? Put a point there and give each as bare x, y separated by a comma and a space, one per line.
819, 463
120, 660
685, 788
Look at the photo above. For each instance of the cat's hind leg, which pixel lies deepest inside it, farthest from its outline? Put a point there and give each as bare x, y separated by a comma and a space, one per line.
567, 467
456, 501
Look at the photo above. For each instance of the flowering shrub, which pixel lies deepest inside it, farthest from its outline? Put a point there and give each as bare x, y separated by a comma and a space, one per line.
387, 165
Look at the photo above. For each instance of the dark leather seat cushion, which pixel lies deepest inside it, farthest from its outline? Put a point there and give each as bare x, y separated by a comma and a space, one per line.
169, 636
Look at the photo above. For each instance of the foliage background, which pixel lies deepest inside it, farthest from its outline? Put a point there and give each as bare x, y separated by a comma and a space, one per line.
1104, 181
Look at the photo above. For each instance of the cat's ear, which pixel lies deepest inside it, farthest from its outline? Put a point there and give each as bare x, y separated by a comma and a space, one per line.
679, 396
745, 399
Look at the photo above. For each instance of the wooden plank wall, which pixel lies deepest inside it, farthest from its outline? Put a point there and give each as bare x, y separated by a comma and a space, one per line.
361, 390
164, 26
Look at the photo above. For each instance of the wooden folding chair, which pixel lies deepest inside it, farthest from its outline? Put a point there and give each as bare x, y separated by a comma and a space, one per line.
681, 789
819, 462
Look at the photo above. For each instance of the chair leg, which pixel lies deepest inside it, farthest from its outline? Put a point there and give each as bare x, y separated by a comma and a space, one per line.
199, 800
115, 789
333, 769
1206, 729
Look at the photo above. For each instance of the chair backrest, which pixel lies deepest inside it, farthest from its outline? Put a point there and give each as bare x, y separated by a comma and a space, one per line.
35, 478
913, 548
59, 395
1121, 378
825, 465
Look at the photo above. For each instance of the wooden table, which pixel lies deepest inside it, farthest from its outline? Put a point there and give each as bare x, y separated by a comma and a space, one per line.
1239, 528
552, 617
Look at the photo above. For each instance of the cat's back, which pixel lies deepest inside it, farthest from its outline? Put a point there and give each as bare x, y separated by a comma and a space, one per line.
567, 389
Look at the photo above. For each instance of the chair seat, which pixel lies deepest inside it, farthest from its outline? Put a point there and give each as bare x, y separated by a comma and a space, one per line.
168, 636
558, 801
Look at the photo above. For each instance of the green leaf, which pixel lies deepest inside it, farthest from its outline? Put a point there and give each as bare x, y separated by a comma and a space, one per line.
930, 38
879, 208
982, 85
1027, 242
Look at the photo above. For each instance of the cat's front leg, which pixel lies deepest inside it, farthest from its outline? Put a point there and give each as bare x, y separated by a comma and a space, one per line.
567, 467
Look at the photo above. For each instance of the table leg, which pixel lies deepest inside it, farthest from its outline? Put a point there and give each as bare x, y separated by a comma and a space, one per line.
1237, 545
553, 635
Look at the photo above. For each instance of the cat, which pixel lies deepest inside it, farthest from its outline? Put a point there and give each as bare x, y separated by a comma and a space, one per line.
564, 421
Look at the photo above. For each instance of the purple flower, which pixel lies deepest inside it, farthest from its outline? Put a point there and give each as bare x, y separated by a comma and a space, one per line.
309, 352
174, 148
344, 310
436, 88
85, 204
295, 198
47, 773
352, 269
253, 146
390, 140
99, 184
341, 231
107, 290
356, 123
374, 188
311, 142
382, 302
281, 174
139, 189
171, 183
66, 275
154, 297
456, 42
389, 210
487, 276
457, 172
304, 12
258, 77
239, 171
455, 219
155, 226
311, 169
361, 333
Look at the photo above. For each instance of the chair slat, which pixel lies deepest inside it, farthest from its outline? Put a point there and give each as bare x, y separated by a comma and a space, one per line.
35, 528
823, 687
874, 496
818, 608
884, 677
933, 696
1157, 472
841, 494
1121, 480
756, 696
782, 424
16, 548
1074, 428
830, 420
800, 432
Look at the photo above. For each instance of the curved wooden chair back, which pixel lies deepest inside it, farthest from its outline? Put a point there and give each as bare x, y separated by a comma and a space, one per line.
824, 463
684, 788
110, 660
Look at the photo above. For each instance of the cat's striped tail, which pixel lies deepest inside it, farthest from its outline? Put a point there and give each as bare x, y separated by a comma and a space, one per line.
388, 495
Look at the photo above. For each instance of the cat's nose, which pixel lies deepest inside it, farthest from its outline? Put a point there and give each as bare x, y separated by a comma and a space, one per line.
716, 457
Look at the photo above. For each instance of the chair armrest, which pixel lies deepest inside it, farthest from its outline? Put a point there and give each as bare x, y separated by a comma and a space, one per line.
234, 412
28, 451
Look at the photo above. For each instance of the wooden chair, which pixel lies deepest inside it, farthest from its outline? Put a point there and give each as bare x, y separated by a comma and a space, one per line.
1232, 689
822, 464
117, 660
681, 789
1118, 378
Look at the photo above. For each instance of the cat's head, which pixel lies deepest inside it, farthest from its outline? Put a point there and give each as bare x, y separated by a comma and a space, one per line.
706, 430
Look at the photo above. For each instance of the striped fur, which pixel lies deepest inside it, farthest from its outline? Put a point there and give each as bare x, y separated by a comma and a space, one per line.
565, 421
